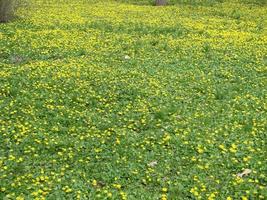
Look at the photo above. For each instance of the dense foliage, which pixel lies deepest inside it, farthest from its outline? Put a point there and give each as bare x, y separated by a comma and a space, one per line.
196, 2
119, 101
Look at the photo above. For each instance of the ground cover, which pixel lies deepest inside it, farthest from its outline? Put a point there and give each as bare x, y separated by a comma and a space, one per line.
111, 100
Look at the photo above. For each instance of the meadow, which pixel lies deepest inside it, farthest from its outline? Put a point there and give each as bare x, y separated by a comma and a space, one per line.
118, 100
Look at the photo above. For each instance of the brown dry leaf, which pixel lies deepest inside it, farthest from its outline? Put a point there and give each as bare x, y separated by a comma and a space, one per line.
16, 59
153, 164
244, 173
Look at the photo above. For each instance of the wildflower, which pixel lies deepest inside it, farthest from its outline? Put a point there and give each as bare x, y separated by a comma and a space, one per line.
163, 197
200, 149
117, 186
221, 146
94, 183
212, 196
164, 189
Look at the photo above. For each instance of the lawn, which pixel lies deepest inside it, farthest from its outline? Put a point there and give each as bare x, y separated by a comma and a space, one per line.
117, 100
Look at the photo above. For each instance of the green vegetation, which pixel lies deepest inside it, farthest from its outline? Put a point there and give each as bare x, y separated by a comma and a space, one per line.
111, 100
196, 2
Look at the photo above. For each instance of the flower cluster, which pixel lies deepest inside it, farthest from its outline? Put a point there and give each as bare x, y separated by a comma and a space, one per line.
105, 100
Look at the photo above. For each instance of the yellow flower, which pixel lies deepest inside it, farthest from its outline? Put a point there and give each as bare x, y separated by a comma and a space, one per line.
117, 186
194, 191
163, 197
233, 148
221, 146
212, 196
200, 150
246, 159
68, 190
35, 193
164, 189
94, 183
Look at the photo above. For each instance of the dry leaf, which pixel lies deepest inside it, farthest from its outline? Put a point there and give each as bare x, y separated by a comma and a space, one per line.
244, 173
127, 57
153, 164
16, 59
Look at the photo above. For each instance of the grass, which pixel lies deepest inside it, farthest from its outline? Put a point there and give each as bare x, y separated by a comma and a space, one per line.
106, 100
196, 2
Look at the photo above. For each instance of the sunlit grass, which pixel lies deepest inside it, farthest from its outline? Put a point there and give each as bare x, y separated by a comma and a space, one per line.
111, 100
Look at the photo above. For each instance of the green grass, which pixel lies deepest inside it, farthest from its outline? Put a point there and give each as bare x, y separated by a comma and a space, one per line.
196, 2
108, 100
